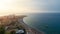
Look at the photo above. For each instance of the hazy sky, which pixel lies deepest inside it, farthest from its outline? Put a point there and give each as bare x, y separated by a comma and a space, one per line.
29, 6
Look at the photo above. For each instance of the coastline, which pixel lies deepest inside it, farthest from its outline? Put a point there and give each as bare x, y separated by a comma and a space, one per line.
32, 30
13, 21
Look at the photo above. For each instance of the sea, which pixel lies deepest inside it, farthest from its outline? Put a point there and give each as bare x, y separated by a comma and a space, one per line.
49, 23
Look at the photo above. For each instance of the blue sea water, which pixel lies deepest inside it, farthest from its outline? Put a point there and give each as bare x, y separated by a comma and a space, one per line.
49, 23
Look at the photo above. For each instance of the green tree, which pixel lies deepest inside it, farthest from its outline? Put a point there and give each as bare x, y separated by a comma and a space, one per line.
2, 30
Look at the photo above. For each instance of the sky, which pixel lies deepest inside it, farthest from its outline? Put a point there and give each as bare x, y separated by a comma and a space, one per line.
29, 6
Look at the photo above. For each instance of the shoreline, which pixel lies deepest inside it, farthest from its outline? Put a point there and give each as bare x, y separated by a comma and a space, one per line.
12, 20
